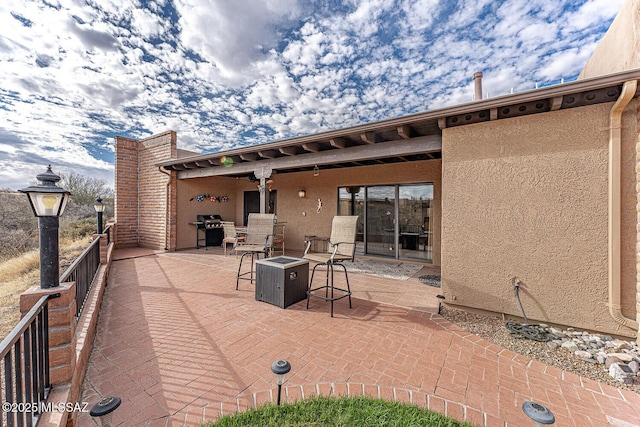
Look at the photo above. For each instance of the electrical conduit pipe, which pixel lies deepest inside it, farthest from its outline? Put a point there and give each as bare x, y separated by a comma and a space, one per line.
615, 211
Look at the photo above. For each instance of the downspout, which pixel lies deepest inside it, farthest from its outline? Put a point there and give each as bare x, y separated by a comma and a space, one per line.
166, 213
615, 211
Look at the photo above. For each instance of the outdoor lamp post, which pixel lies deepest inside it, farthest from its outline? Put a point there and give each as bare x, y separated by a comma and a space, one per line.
99, 207
280, 368
540, 416
104, 410
48, 202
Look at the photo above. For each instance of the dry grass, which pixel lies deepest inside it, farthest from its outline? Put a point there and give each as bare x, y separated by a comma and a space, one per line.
18, 274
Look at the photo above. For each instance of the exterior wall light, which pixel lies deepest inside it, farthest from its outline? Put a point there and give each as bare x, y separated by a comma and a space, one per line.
316, 170
48, 201
103, 410
99, 207
302, 194
540, 416
280, 368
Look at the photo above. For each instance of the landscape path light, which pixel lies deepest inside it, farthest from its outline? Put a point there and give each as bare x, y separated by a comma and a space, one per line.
99, 208
280, 368
540, 416
48, 201
103, 410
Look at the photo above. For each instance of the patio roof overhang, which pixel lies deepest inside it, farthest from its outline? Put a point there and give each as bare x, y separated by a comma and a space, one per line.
404, 139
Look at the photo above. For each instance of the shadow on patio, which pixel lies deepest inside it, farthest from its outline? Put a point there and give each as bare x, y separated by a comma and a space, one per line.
178, 344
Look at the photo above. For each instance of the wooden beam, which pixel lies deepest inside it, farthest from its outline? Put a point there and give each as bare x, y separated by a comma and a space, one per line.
249, 157
442, 122
368, 137
288, 151
312, 147
493, 114
400, 147
556, 103
338, 142
268, 154
404, 131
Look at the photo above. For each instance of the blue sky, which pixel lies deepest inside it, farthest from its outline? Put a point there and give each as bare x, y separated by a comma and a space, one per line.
224, 74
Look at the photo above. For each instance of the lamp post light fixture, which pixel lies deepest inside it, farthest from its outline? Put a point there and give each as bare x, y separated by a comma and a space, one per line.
103, 410
540, 416
48, 201
280, 368
99, 208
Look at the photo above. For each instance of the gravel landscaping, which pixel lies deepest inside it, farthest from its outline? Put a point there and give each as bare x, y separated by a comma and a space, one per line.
493, 329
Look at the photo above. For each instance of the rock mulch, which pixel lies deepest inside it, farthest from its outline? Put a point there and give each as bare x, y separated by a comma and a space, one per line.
596, 356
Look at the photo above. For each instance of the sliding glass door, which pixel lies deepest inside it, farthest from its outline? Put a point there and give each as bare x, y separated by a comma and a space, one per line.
415, 222
394, 221
380, 220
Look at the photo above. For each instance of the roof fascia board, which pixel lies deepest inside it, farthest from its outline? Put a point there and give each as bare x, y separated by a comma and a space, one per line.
521, 97
395, 148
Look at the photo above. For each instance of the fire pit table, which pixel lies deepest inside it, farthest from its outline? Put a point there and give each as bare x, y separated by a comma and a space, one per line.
282, 280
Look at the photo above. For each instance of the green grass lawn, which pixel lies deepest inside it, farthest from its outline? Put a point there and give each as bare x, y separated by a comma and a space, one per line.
342, 411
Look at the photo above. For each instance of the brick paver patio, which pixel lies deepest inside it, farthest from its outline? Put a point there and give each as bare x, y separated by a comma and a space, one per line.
179, 345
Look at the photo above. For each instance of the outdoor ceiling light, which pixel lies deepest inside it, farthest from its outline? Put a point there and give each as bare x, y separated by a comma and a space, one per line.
47, 199
280, 368
302, 194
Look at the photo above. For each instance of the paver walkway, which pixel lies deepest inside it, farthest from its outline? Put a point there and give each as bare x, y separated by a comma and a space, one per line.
178, 344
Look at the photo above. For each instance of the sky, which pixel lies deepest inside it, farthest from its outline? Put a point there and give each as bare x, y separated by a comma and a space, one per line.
225, 74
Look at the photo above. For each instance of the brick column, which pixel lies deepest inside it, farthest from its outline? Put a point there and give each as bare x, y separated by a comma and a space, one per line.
62, 328
103, 246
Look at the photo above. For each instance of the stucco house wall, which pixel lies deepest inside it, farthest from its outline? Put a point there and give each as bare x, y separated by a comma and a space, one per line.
618, 49
526, 198
188, 207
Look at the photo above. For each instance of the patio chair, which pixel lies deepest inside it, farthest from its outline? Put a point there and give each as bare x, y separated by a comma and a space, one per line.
231, 235
341, 247
258, 240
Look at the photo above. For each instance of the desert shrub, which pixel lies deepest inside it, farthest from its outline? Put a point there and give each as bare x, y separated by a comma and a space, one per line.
79, 228
15, 242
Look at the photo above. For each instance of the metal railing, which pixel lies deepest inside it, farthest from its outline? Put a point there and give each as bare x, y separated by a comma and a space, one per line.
24, 367
82, 271
108, 230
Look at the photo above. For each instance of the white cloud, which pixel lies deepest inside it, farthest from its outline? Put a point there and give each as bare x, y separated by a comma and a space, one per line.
228, 73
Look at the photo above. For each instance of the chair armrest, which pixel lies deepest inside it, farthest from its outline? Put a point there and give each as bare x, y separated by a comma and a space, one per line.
335, 247
307, 247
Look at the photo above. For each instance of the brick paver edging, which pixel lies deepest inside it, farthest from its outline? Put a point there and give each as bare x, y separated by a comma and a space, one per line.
294, 393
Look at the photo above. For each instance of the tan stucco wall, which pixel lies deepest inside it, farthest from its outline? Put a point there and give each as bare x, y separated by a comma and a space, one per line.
527, 197
618, 49
290, 208
188, 207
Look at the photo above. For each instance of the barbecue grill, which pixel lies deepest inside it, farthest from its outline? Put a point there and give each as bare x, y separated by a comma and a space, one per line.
209, 230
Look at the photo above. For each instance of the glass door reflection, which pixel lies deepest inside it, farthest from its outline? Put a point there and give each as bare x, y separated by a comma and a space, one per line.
381, 220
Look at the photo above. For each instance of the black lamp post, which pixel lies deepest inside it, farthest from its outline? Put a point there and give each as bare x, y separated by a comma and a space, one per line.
280, 368
99, 207
48, 202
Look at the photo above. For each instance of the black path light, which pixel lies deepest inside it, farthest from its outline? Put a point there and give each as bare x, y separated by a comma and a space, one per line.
103, 410
280, 368
99, 208
48, 202
540, 416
